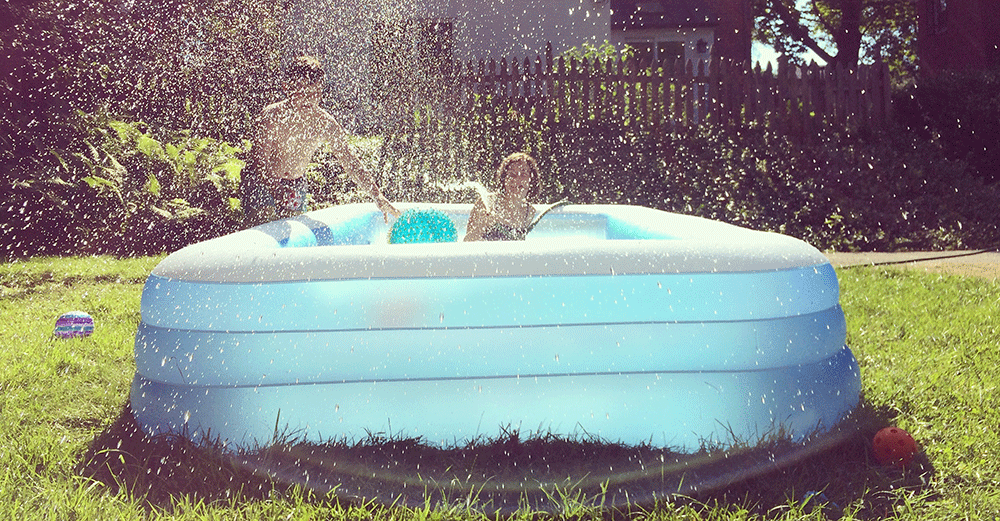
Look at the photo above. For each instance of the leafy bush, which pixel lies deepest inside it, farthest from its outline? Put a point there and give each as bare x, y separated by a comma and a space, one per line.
889, 191
603, 52
962, 111
101, 184
426, 158
172, 189
47, 216
122, 190
192, 64
596, 162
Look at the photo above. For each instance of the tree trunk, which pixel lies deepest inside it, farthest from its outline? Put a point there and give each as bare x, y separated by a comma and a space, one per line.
848, 35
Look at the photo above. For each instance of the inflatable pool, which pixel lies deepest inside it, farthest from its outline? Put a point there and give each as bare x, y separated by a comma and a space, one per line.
623, 323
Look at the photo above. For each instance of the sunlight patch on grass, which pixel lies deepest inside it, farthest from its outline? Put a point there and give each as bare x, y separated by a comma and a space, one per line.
928, 349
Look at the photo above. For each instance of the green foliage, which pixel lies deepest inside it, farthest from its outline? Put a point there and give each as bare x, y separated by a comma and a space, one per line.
962, 111
201, 65
890, 33
141, 193
890, 191
497, 129
179, 64
600, 162
330, 185
176, 189
92, 184
426, 158
603, 52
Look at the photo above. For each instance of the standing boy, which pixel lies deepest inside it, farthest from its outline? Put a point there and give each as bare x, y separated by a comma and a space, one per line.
287, 135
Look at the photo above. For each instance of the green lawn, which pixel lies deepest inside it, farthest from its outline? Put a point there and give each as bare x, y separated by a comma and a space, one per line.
927, 345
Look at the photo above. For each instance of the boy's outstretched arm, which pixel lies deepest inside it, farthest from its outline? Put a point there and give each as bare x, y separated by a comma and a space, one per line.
337, 137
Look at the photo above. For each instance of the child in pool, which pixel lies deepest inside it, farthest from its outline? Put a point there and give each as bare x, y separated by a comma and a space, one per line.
287, 135
505, 215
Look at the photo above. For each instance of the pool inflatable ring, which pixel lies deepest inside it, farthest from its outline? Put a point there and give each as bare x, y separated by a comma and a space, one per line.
629, 324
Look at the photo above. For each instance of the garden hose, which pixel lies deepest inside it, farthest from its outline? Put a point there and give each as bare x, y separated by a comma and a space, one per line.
939, 257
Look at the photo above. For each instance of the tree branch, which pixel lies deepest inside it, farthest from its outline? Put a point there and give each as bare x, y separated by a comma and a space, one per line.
800, 33
822, 21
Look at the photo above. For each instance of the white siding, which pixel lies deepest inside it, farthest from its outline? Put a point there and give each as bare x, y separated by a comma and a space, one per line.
523, 27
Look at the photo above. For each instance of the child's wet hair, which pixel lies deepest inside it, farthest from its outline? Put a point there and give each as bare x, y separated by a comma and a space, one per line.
307, 68
532, 167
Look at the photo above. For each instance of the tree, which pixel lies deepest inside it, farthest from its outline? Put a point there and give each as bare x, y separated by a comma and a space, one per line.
841, 32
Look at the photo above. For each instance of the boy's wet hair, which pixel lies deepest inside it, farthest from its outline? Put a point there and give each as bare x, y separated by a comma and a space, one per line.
307, 68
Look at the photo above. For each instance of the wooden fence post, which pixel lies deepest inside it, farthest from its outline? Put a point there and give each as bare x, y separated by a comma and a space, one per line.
616, 89
663, 96
558, 82
642, 94
573, 90
515, 81
752, 100
781, 97
766, 93
841, 86
715, 115
676, 111
864, 87
658, 93
687, 94
528, 86
547, 85
853, 87
794, 102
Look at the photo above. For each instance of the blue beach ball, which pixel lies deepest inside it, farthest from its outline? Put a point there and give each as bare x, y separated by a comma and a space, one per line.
74, 324
416, 226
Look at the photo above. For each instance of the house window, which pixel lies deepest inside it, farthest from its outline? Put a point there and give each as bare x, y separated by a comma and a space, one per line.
646, 52
627, 15
670, 51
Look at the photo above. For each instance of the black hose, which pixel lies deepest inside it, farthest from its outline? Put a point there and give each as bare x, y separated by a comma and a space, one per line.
939, 257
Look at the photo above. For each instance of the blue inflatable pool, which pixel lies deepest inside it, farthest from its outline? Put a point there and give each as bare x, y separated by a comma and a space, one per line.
624, 323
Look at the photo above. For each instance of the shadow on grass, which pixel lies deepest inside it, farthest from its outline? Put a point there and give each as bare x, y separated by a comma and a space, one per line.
157, 470
846, 474
509, 474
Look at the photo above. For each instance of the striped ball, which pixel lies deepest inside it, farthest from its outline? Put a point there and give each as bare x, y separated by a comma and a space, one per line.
74, 324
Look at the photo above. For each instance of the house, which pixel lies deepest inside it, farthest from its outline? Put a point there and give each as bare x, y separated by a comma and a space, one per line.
368, 49
690, 30
687, 29
957, 35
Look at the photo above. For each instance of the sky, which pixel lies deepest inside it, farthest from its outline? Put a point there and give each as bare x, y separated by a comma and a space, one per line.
765, 54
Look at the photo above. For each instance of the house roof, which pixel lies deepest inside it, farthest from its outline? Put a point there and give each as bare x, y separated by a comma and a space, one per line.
659, 14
